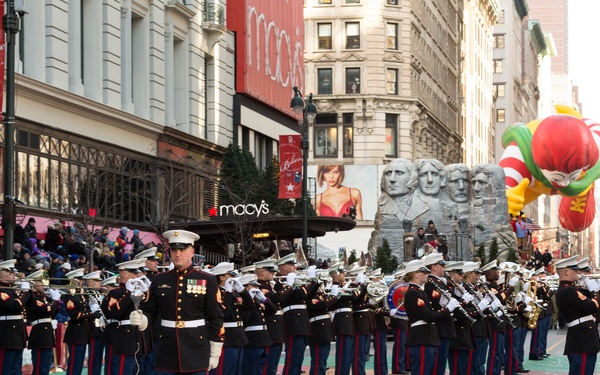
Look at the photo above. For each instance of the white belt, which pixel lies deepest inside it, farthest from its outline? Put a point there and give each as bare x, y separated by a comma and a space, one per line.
343, 309
400, 317
419, 323
11, 317
233, 324
255, 328
363, 310
319, 317
279, 312
293, 307
43, 320
575, 322
124, 322
111, 321
182, 323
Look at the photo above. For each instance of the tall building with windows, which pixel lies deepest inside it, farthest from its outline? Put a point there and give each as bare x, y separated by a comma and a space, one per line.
385, 76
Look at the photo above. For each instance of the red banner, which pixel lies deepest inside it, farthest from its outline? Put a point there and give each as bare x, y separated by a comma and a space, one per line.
290, 166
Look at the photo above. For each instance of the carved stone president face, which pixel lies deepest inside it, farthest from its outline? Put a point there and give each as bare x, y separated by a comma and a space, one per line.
399, 178
458, 182
432, 176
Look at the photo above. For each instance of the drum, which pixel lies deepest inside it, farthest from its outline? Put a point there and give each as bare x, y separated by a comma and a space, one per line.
395, 297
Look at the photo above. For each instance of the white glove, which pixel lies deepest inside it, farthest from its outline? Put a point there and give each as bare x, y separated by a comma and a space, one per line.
133, 284
518, 298
335, 290
499, 313
54, 294
237, 285
513, 281
488, 299
496, 304
311, 271
393, 312
528, 308
253, 292
467, 297
146, 281
260, 295
54, 323
483, 304
25, 285
228, 285
443, 301
526, 285
138, 319
360, 278
528, 300
590, 284
215, 354
443, 280
453, 304
94, 307
291, 277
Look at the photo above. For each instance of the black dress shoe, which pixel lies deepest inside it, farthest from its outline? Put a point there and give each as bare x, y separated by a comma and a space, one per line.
546, 355
522, 371
535, 358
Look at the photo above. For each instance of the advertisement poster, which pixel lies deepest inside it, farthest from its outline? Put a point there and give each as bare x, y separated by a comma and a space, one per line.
342, 189
290, 166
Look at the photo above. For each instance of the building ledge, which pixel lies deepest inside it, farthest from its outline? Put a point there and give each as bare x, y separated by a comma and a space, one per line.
522, 8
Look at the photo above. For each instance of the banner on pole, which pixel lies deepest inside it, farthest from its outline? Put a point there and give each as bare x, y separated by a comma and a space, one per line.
290, 166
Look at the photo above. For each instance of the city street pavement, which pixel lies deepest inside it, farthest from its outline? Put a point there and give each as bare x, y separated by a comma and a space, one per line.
556, 364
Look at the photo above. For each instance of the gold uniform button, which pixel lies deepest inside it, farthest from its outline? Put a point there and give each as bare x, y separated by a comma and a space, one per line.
179, 300
180, 284
180, 277
178, 317
179, 309
180, 292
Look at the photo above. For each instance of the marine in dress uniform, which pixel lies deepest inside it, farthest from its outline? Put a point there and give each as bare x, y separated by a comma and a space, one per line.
255, 351
150, 335
118, 305
362, 316
343, 323
380, 330
399, 327
515, 312
40, 309
12, 325
265, 272
189, 304
93, 281
293, 305
109, 284
80, 310
236, 299
435, 287
582, 343
545, 294
321, 329
423, 338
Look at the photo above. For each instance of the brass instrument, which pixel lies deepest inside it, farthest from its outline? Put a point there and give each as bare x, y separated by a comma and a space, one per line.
532, 316
377, 290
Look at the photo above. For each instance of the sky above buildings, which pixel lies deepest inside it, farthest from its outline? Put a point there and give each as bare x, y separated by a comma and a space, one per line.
584, 53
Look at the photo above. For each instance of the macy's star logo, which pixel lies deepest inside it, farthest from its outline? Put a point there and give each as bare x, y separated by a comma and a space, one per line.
212, 212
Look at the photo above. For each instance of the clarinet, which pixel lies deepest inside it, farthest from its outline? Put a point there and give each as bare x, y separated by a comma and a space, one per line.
101, 321
479, 297
502, 307
462, 290
448, 296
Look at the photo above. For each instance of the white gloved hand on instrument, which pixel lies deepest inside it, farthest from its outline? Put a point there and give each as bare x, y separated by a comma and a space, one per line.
138, 319
215, 354
453, 304
467, 297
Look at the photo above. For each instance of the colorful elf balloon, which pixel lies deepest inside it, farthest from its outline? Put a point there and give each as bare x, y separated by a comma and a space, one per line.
555, 155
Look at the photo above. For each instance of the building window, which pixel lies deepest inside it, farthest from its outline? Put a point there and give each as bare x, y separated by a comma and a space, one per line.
500, 115
391, 33
352, 35
352, 1
323, 1
498, 66
391, 128
348, 134
498, 41
499, 90
500, 20
392, 2
392, 81
324, 35
325, 79
352, 80
326, 136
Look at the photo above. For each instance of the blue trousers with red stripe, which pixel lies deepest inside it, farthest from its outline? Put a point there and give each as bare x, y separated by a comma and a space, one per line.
460, 361
380, 366
203, 372
511, 356
521, 347
478, 367
95, 352
399, 357
230, 362
544, 333
441, 357
534, 345
318, 358
273, 356
582, 364
344, 352
254, 360
11, 361
122, 364
360, 357
75, 360
495, 359
41, 360
422, 359
294, 354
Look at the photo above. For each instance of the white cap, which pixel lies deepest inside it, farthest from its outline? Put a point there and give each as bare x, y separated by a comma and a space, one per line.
356, 270
584, 264
36, 275
471, 267
75, 274
490, 266
147, 254
570, 262
180, 239
542, 270
399, 274
249, 279
415, 265
66, 266
93, 276
131, 265
375, 273
288, 259
434, 258
8, 265
455, 266
268, 264
248, 269
222, 268
112, 281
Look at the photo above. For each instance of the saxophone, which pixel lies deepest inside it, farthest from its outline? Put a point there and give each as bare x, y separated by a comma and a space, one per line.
532, 316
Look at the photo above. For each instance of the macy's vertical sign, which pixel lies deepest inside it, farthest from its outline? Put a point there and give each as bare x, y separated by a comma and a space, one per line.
240, 210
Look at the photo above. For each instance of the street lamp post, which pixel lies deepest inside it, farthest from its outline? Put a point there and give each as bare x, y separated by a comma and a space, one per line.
309, 112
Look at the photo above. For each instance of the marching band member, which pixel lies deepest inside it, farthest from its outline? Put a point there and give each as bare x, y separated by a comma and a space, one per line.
471, 275
343, 324
545, 294
149, 336
363, 321
522, 331
321, 329
109, 283
535, 345
515, 312
251, 269
80, 310
118, 305
93, 280
582, 343
189, 304
235, 300
293, 303
40, 309
434, 288
265, 272
380, 330
423, 338
399, 326
12, 326
255, 351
